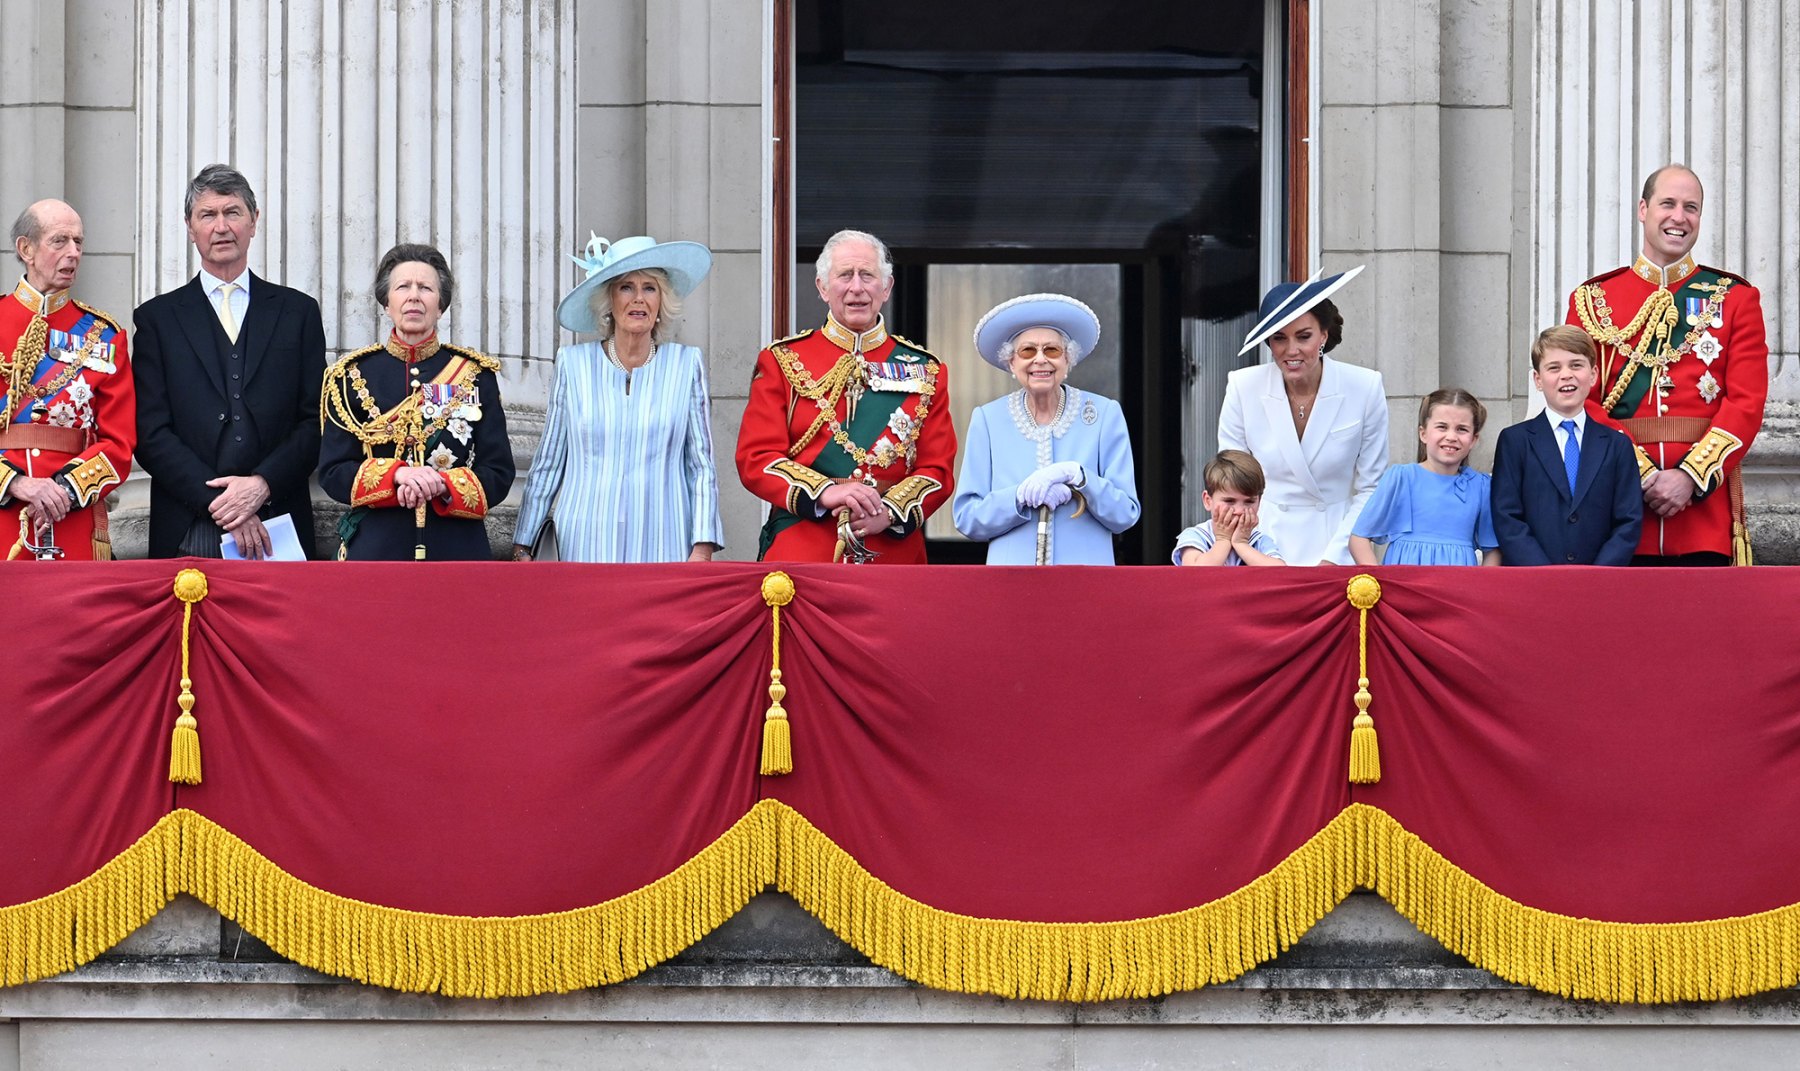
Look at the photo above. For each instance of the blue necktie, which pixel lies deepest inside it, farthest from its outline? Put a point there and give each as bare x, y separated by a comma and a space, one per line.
1571, 454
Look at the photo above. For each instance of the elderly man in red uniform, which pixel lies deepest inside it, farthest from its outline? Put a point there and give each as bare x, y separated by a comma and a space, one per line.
847, 431
1684, 371
68, 417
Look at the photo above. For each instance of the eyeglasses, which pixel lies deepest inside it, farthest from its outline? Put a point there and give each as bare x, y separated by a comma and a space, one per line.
1029, 352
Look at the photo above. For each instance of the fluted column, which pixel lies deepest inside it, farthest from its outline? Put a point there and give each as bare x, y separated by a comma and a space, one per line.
362, 123
1622, 88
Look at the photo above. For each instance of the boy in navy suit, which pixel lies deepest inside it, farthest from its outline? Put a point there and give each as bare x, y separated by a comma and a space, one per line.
1565, 488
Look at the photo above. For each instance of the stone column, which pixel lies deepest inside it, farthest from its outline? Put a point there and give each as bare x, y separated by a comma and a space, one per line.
1379, 146
1621, 89
363, 123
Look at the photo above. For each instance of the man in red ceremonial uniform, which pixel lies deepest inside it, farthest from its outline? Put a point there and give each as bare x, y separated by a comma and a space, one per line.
847, 432
68, 416
1684, 371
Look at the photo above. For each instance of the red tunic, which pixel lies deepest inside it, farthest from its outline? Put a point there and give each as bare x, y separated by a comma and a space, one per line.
1694, 399
71, 412
899, 433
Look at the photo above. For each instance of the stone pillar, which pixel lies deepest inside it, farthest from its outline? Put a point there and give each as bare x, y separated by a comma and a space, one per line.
365, 123
1621, 89
1379, 146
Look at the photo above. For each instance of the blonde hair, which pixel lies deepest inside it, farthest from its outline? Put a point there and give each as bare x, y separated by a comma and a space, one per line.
1235, 469
667, 313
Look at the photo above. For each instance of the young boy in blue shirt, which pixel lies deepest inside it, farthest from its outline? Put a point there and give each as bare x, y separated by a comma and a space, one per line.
1565, 486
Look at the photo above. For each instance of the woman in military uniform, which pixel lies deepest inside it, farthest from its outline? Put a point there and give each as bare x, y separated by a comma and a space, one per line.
414, 435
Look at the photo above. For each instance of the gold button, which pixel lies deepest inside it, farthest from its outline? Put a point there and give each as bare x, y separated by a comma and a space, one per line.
34, 451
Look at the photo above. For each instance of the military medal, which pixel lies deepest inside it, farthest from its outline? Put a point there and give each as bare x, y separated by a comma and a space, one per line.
1709, 388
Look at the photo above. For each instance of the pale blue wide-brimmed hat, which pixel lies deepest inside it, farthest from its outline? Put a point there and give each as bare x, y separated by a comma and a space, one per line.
1004, 321
1284, 303
685, 262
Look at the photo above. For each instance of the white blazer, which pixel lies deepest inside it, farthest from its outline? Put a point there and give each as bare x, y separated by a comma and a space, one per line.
1316, 485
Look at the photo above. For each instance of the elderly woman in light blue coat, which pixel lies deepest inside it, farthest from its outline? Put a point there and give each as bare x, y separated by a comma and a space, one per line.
1046, 475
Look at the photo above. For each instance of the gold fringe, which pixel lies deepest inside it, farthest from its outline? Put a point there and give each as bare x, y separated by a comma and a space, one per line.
59, 932
1620, 962
1080, 961
463, 956
1362, 846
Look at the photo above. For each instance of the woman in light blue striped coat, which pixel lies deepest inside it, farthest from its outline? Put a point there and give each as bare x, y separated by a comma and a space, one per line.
625, 468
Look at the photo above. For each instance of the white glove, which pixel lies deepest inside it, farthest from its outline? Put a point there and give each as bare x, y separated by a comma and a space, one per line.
1058, 495
1035, 488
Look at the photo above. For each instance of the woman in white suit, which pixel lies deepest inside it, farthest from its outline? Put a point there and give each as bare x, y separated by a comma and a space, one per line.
1318, 427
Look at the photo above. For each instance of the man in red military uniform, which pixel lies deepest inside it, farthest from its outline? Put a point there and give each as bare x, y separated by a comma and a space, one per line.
1684, 371
847, 432
68, 415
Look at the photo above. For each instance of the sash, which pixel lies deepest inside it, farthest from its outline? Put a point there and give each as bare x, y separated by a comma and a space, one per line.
868, 424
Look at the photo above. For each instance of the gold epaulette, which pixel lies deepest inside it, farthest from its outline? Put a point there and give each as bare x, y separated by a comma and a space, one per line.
1605, 275
1733, 276
105, 317
492, 364
910, 344
790, 338
338, 366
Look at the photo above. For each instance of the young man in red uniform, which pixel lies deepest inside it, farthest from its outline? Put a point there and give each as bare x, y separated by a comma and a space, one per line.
1684, 371
68, 413
847, 432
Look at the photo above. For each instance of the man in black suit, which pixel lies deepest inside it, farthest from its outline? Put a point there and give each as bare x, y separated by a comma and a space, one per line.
228, 369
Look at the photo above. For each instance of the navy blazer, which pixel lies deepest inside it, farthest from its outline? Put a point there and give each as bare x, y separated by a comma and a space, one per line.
184, 436
1537, 520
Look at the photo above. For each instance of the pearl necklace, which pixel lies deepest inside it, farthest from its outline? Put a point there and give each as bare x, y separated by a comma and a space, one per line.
612, 354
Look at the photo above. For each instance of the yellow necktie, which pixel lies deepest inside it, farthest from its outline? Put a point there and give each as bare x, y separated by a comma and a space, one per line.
226, 319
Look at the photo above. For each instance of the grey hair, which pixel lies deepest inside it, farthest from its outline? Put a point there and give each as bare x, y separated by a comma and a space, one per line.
667, 313
29, 227
1070, 346
222, 179
822, 266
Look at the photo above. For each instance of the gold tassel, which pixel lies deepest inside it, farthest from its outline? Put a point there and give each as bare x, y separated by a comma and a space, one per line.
1740, 545
184, 748
1364, 592
777, 742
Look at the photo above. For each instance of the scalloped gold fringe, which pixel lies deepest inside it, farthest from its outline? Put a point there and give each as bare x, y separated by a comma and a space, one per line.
413, 951
59, 932
1081, 961
774, 844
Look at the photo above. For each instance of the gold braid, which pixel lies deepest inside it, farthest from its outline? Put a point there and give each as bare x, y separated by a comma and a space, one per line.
825, 392
23, 364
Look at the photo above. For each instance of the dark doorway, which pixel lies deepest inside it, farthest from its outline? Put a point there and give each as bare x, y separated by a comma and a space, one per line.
1113, 151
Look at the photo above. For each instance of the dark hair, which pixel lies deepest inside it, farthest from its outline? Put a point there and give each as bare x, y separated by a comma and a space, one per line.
1453, 396
1331, 321
1565, 337
1650, 183
222, 179
413, 253
1235, 469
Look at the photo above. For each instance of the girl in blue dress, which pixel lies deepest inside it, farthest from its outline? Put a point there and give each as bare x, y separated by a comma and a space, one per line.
1435, 512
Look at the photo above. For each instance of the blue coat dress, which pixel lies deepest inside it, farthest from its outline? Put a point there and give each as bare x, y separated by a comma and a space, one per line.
1004, 445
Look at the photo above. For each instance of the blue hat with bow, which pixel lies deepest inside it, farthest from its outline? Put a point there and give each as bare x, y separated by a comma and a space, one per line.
1285, 302
685, 262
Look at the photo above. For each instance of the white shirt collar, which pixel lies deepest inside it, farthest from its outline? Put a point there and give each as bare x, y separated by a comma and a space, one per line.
1556, 419
211, 283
